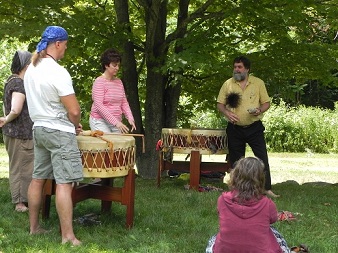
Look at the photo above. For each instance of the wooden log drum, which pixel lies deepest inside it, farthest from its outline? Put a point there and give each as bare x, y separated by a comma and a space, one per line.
194, 142
104, 157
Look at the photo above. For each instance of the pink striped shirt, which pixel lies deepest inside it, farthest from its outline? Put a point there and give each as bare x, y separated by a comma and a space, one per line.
109, 101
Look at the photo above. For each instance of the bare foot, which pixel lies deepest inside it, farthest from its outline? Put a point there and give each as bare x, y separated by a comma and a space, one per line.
39, 231
21, 208
270, 194
74, 242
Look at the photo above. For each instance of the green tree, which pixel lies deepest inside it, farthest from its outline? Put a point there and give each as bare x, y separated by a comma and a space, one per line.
7, 51
184, 49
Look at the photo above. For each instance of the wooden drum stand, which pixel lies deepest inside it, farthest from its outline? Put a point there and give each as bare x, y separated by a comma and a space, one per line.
193, 142
105, 157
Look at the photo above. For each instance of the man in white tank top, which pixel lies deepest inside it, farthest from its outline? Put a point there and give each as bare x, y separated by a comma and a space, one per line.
56, 114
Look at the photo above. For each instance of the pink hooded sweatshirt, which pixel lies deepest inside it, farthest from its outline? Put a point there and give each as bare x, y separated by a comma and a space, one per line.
246, 228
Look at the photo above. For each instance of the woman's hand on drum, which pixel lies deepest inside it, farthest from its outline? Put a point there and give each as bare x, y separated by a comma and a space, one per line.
122, 127
133, 127
78, 130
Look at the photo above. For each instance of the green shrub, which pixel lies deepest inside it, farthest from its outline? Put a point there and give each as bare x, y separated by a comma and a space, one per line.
289, 129
301, 129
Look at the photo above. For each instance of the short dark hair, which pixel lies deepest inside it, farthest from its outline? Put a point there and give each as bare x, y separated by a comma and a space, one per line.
246, 62
109, 56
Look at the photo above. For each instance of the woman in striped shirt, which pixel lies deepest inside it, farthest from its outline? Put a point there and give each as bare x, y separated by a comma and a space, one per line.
109, 98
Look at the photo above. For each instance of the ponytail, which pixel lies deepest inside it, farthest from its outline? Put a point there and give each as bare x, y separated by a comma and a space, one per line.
37, 57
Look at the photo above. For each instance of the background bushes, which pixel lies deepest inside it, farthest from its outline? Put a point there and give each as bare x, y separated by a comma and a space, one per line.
301, 129
287, 129
290, 129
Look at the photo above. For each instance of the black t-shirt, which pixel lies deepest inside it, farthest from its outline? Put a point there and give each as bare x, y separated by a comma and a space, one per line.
21, 127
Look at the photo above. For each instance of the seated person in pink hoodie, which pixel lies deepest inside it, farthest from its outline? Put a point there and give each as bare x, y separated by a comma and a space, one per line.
245, 214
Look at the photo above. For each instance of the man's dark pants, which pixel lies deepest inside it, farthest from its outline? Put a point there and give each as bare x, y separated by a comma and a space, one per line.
253, 135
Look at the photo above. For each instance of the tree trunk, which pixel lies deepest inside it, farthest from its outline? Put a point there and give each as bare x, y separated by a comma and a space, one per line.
155, 17
171, 101
161, 104
129, 70
173, 92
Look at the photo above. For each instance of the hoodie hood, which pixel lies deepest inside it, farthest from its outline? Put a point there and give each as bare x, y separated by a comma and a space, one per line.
244, 210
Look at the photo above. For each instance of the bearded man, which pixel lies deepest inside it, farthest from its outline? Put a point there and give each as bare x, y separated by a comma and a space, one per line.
243, 99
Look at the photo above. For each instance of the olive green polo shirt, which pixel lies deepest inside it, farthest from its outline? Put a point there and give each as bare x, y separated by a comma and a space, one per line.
254, 95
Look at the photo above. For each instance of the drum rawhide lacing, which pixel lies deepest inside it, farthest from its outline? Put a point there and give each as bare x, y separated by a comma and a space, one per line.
106, 155
98, 134
208, 141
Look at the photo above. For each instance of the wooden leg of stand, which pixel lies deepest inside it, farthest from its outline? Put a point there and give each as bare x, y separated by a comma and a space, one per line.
160, 168
45, 207
195, 169
48, 191
106, 205
128, 194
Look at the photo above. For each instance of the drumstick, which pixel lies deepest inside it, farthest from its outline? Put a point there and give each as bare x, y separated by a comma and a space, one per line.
89, 133
136, 135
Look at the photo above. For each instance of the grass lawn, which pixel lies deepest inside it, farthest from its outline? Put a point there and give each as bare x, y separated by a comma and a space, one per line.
171, 219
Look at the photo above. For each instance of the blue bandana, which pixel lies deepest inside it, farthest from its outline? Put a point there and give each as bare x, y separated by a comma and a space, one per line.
51, 34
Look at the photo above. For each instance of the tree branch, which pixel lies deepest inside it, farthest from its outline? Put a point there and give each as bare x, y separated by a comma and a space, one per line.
200, 11
103, 6
174, 35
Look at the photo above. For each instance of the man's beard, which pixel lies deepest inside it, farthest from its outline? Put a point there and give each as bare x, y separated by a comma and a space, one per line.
239, 76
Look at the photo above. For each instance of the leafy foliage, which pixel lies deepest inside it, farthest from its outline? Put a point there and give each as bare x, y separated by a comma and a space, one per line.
187, 45
301, 129
7, 50
287, 129
288, 40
